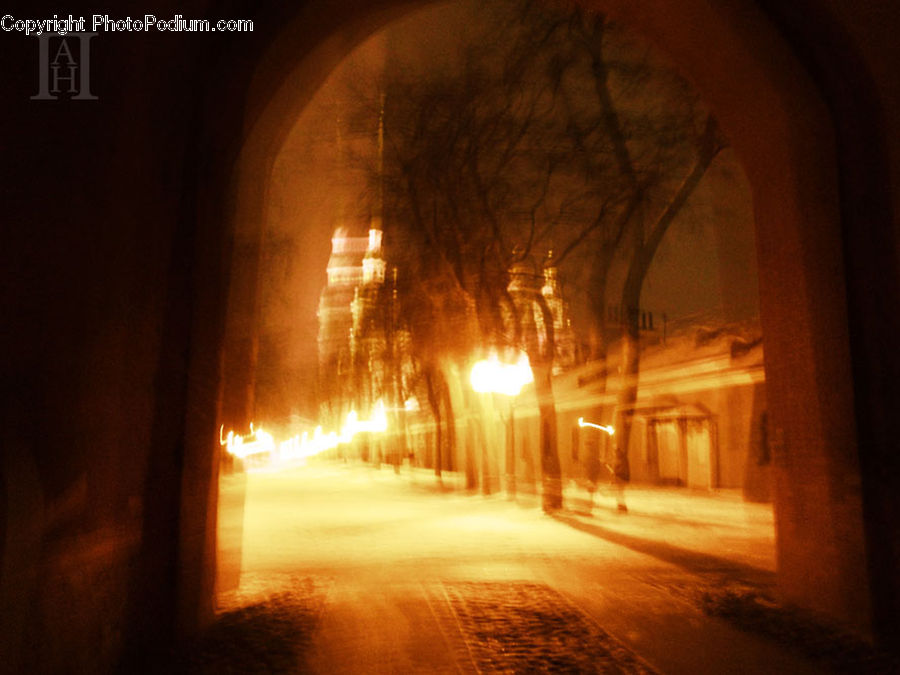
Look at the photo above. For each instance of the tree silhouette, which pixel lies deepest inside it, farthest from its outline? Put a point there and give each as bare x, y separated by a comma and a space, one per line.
565, 136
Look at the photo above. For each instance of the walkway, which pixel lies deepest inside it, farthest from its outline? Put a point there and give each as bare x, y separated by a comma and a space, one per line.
350, 569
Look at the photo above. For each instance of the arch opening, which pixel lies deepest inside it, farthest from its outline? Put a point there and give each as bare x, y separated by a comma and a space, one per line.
782, 141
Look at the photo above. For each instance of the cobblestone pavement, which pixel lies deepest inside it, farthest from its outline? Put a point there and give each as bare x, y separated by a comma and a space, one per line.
265, 627
271, 624
510, 627
529, 628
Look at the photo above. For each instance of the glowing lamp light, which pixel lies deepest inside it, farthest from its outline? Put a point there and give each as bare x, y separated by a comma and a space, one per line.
489, 375
259, 441
607, 428
378, 422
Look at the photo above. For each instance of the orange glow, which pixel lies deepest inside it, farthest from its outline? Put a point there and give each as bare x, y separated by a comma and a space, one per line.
490, 375
258, 442
300, 447
607, 428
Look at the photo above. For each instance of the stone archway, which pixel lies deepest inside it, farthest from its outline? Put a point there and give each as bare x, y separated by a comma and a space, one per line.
782, 132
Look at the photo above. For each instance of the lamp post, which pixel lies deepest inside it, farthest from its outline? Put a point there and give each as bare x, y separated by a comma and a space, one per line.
511, 451
507, 379
617, 484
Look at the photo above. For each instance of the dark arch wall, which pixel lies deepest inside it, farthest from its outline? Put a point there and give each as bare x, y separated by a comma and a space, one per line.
123, 216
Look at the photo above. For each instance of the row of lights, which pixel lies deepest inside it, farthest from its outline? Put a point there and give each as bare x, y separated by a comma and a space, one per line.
487, 376
301, 446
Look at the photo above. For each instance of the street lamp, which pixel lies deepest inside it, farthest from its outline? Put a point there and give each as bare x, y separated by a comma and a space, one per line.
491, 376
617, 484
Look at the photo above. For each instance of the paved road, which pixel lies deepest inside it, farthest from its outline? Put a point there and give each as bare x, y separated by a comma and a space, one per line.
389, 574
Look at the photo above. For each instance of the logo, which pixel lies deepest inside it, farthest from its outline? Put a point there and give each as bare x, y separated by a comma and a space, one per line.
64, 67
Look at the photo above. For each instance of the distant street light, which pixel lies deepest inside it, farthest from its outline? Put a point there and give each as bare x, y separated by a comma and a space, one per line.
260, 442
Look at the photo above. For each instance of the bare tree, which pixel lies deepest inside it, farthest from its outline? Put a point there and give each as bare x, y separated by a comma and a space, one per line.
642, 144
462, 159
566, 136
708, 145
